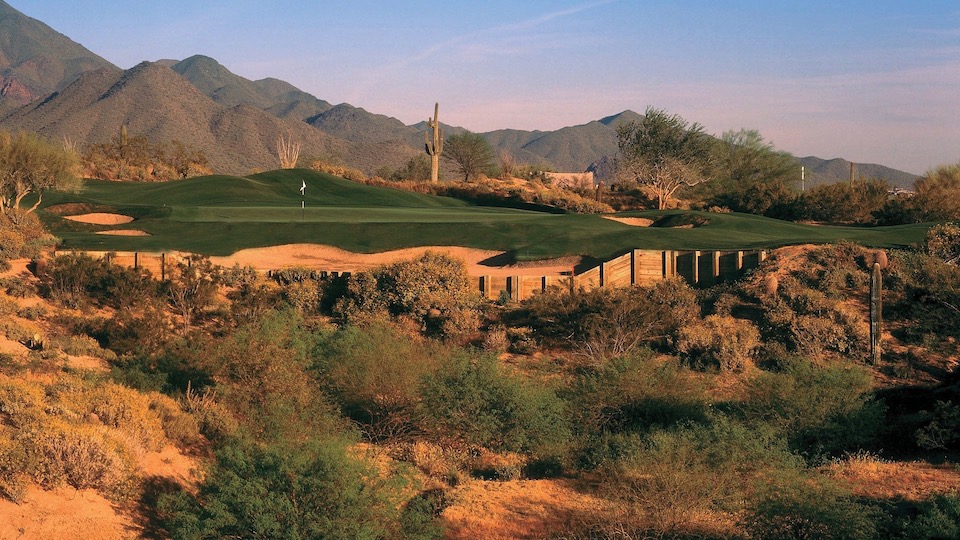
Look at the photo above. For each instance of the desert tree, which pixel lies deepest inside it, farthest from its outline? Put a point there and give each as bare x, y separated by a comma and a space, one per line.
288, 151
752, 175
664, 153
471, 153
28, 164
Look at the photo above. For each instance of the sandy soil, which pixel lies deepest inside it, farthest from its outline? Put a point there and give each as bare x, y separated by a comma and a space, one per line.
479, 262
125, 232
64, 513
633, 221
516, 509
100, 218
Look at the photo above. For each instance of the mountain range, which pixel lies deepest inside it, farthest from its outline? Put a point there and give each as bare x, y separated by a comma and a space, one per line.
57, 88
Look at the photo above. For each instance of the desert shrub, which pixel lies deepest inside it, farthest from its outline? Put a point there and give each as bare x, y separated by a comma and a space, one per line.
253, 298
23, 237
721, 341
605, 323
670, 479
178, 426
821, 410
84, 457
943, 429
842, 202
936, 518
8, 307
67, 279
496, 340
310, 491
191, 287
32, 313
630, 395
80, 346
943, 242
112, 405
84, 433
926, 291
19, 330
260, 372
20, 286
213, 419
375, 374
471, 399
798, 507
433, 290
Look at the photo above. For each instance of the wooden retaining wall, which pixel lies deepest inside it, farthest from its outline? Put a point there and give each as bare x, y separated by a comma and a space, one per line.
636, 267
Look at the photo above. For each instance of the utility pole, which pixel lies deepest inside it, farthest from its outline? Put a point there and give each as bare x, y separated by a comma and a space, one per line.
853, 172
802, 178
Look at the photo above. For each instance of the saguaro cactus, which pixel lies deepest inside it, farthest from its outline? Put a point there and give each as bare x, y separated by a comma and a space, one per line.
876, 312
435, 146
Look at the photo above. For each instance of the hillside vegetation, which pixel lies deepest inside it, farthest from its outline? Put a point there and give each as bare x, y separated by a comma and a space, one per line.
395, 404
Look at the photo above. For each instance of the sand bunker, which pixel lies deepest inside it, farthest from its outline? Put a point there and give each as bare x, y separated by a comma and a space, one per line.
125, 232
337, 260
632, 221
101, 218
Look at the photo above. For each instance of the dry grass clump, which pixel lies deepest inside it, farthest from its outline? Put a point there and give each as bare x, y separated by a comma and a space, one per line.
81, 433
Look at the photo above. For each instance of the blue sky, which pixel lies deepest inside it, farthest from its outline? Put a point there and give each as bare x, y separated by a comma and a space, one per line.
869, 81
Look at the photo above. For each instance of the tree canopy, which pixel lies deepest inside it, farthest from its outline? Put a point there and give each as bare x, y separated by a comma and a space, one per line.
752, 176
664, 153
29, 164
471, 153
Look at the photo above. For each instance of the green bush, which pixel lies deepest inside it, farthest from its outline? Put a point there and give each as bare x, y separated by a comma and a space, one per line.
943, 430
375, 374
434, 291
721, 341
311, 491
938, 518
821, 410
800, 508
671, 478
471, 399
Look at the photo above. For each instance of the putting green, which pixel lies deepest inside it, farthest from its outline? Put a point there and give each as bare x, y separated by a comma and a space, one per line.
219, 215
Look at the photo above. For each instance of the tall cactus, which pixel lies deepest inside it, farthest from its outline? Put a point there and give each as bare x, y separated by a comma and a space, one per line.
434, 147
876, 312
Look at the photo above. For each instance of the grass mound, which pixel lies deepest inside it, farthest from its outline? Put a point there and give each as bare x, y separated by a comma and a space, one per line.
219, 215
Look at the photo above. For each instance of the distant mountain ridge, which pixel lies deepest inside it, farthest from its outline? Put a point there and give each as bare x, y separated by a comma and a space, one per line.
827, 171
36, 60
57, 88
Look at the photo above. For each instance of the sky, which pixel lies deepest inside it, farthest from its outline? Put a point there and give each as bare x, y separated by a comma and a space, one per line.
868, 81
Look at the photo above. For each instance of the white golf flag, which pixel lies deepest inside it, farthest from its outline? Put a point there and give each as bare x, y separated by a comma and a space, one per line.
303, 186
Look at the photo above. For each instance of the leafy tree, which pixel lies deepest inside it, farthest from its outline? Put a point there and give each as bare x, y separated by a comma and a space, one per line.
753, 177
844, 203
471, 153
664, 153
28, 165
938, 194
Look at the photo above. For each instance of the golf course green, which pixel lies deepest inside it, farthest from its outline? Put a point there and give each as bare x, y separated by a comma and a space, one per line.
219, 215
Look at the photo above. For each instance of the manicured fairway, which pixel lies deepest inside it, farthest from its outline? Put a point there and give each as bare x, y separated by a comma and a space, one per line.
218, 215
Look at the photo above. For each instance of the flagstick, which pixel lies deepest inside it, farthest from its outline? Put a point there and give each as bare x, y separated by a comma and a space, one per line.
301, 210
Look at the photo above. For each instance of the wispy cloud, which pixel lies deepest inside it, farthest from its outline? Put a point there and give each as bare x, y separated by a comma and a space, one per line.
507, 39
